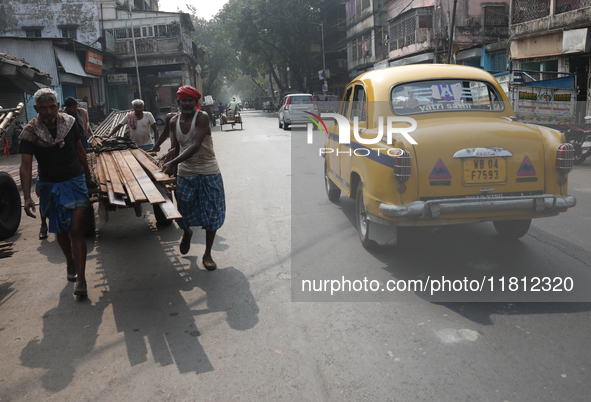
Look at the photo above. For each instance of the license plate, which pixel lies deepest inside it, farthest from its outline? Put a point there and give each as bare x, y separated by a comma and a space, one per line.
485, 170
587, 144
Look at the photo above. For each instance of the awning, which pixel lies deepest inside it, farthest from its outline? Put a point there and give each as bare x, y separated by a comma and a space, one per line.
70, 79
469, 54
576, 41
70, 62
419, 58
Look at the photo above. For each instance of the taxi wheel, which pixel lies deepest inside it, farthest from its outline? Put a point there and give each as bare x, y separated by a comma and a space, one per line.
10, 206
285, 125
363, 224
512, 229
332, 191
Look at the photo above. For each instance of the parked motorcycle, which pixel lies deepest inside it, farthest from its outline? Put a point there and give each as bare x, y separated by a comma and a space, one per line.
580, 137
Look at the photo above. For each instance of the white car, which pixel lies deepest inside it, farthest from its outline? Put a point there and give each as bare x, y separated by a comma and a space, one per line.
293, 108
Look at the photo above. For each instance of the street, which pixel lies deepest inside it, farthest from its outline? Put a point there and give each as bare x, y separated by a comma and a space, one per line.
157, 326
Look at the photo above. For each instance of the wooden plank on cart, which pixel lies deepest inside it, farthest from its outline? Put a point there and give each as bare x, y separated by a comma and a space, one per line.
152, 168
168, 208
102, 181
143, 179
135, 189
114, 199
113, 174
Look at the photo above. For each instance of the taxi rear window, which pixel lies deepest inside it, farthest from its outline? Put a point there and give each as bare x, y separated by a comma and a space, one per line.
449, 95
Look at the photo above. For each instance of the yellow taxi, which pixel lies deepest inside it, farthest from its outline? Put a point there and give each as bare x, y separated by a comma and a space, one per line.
428, 145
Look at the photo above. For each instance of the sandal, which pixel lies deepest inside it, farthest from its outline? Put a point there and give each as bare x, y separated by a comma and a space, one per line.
209, 263
43, 233
186, 242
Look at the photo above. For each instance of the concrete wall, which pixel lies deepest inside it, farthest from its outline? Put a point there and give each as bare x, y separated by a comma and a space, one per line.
49, 14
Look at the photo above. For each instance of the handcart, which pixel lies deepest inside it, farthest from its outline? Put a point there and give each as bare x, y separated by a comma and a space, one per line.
230, 117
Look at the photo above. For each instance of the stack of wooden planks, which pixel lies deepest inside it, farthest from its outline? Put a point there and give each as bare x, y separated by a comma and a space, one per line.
129, 177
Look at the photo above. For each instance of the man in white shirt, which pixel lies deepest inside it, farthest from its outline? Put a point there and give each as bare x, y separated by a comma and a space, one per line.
139, 123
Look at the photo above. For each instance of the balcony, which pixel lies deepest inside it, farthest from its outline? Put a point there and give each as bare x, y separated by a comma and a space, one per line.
162, 45
539, 15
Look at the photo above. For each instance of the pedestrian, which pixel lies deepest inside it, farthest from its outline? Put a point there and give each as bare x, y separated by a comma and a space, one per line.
139, 123
72, 108
200, 189
63, 180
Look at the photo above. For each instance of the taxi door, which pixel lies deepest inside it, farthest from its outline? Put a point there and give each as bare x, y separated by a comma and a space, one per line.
333, 158
358, 109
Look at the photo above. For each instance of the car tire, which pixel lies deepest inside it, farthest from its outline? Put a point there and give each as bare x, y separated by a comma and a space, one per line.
332, 191
160, 217
280, 125
285, 125
89, 224
514, 229
159, 122
363, 224
10, 206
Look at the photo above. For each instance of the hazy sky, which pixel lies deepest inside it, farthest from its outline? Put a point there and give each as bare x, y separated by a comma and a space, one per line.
205, 8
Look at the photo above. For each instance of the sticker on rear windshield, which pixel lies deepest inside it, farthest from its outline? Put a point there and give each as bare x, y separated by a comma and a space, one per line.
446, 92
526, 168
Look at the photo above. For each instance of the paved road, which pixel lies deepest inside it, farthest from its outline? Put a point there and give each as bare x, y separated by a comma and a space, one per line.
157, 326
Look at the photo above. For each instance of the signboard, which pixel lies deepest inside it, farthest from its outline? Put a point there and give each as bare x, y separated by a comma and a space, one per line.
94, 63
109, 42
117, 78
324, 87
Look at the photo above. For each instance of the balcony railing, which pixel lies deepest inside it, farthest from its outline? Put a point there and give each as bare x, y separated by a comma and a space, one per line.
166, 45
530, 10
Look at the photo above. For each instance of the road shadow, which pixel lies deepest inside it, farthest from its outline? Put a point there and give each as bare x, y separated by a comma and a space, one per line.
145, 288
70, 331
6, 291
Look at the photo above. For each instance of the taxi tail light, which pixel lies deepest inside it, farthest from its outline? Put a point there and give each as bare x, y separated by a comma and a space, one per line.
287, 104
565, 157
402, 165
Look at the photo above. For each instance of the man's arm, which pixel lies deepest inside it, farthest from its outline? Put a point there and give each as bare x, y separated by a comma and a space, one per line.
201, 130
26, 171
156, 133
165, 133
115, 129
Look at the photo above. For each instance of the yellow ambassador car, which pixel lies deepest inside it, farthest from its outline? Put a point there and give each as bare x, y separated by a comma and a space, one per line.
470, 161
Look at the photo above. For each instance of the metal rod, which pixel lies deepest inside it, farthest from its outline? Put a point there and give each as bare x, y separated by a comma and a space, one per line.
137, 71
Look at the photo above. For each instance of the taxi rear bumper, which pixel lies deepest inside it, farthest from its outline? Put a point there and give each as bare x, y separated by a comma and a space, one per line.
433, 209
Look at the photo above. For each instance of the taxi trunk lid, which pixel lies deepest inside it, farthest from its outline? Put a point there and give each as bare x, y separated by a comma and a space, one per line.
476, 157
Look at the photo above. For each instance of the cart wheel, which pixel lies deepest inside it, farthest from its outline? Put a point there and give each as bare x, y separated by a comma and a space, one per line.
89, 225
10, 206
160, 217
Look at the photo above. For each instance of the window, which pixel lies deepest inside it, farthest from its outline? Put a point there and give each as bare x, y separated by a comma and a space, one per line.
495, 16
403, 28
498, 62
345, 106
70, 33
147, 32
160, 30
120, 33
33, 33
452, 95
359, 104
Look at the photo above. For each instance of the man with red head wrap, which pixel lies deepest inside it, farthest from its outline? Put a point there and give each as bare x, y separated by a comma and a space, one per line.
200, 190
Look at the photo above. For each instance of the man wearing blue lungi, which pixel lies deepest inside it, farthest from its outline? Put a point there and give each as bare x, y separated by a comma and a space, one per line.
200, 189
53, 138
